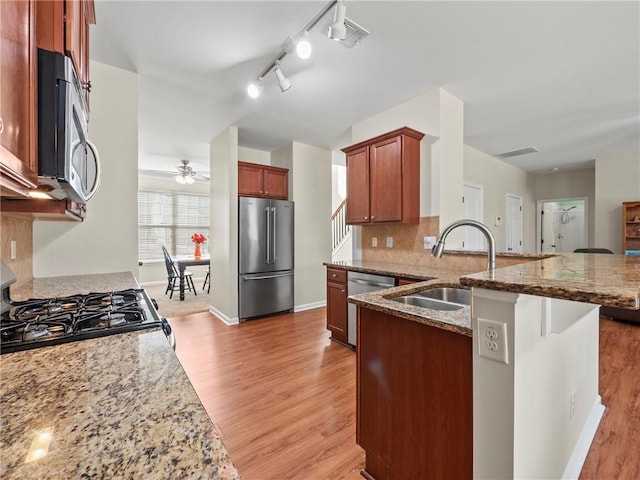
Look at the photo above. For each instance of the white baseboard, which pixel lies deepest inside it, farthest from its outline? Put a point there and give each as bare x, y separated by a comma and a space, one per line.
152, 284
581, 449
223, 317
309, 306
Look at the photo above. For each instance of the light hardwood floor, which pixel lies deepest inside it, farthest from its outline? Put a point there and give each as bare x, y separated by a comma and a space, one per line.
282, 396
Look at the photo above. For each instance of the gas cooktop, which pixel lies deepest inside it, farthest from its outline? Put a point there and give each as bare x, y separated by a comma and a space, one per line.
42, 322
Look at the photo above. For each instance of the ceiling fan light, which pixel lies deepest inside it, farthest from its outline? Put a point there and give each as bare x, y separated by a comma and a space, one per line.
254, 90
180, 179
189, 180
303, 49
338, 30
283, 82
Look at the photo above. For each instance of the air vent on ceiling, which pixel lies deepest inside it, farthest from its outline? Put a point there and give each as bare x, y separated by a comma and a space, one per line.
515, 153
355, 33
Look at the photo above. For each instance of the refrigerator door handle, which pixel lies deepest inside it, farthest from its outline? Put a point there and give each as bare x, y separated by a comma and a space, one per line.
268, 249
275, 230
266, 277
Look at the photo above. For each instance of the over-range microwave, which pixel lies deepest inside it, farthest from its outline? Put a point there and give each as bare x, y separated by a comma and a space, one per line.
68, 162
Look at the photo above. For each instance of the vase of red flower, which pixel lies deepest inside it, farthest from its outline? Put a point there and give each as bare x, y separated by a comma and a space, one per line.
197, 239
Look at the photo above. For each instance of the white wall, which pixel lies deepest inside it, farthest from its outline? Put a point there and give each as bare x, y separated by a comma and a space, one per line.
617, 181
310, 189
251, 155
572, 184
107, 240
499, 178
224, 224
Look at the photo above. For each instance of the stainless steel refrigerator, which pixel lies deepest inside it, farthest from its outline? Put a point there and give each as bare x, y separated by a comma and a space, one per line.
265, 256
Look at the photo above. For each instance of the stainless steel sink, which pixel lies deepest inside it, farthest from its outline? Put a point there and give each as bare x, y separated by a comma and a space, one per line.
448, 294
441, 298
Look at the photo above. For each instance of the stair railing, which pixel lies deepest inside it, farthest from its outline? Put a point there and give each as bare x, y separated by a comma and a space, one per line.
339, 229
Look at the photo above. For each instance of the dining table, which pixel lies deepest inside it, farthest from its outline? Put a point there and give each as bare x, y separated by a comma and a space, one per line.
184, 261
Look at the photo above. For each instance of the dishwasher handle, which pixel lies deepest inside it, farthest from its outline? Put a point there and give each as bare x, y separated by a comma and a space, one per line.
369, 283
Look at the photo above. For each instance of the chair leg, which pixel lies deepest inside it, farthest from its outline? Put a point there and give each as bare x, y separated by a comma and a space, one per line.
193, 286
173, 287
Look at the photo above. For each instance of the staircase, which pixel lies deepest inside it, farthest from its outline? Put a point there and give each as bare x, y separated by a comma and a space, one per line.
340, 231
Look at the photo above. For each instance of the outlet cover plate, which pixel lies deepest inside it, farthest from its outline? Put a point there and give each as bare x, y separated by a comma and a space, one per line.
492, 340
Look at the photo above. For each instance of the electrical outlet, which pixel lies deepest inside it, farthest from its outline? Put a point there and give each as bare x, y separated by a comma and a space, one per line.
429, 242
492, 340
389, 242
14, 253
374, 241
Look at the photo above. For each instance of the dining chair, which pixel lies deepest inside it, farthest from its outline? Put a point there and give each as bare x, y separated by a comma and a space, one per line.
207, 281
173, 277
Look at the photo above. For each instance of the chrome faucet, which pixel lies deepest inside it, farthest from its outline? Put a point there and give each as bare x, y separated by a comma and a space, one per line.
438, 249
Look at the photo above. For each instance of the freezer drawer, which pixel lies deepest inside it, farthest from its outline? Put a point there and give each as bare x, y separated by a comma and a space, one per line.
265, 293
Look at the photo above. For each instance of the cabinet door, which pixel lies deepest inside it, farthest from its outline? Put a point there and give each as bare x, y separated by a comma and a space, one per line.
385, 161
18, 159
249, 180
337, 311
276, 184
358, 186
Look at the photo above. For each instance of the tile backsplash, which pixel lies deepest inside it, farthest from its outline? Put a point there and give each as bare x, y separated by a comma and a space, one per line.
408, 247
19, 230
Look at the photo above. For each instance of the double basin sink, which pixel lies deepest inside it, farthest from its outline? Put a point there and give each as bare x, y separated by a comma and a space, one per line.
440, 298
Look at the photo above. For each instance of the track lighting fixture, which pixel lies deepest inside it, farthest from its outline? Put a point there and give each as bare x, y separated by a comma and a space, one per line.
338, 30
283, 82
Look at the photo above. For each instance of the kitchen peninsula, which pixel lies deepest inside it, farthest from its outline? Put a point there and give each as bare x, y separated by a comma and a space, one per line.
118, 406
530, 412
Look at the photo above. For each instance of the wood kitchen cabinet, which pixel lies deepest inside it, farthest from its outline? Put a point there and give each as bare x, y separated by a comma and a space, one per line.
631, 227
383, 179
63, 26
263, 181
18, 101
414, 410
37, 209
337, 305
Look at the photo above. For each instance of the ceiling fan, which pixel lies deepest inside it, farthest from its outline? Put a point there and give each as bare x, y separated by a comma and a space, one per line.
185, 175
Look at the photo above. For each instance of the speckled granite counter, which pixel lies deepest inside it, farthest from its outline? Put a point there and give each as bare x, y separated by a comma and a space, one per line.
112, 407
47, 287
608, 280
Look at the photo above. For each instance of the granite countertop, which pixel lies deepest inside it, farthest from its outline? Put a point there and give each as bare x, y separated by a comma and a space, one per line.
48, 287
608, 280
119, 406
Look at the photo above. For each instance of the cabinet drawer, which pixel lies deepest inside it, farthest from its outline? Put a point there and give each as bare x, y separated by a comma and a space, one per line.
335, 275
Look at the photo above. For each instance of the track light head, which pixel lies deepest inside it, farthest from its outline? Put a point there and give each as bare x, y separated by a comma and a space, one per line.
338, 30
254, 89
303, 49
283, 82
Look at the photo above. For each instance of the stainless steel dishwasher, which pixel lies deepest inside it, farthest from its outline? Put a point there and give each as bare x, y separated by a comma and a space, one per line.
362, 283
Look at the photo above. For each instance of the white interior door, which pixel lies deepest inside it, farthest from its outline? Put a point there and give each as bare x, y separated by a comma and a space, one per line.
514, 223
473, 209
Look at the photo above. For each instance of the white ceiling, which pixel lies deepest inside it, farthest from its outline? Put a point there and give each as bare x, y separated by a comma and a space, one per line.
563, 77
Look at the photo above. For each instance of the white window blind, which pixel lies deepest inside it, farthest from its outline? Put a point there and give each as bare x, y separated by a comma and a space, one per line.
169, 219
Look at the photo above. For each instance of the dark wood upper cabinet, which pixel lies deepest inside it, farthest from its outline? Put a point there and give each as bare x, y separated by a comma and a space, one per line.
383, 178
256, 180
63, 26
18, 100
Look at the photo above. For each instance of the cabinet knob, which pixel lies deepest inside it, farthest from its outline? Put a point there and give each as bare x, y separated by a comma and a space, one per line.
342, 291
1, 125
372, 217
366, 218
334, 275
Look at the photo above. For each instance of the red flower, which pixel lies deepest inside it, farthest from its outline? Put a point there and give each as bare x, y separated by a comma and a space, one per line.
198, 238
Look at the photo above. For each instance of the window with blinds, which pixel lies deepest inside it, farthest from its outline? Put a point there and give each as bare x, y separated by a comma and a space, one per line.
169, 219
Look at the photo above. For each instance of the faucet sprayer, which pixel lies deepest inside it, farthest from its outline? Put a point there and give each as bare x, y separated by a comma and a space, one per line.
438, 249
